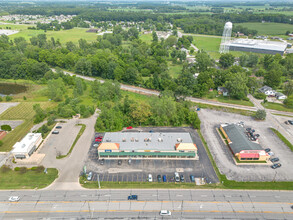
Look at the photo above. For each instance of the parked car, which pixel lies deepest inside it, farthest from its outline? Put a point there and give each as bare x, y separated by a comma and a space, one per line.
102, 162
58, 127
271, 153
164, 178
159, 178
276, 159
177, 178
14, 198
132, 197
55, 132
286, 122
192, 179
181, 178
129, 127
290, 122
90, 176
165, 212
267, 150
129, 161
150, 178
119, 162
276, 165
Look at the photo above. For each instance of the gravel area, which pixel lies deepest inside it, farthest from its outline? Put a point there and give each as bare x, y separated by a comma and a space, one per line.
5, 106
13, 124
211, 119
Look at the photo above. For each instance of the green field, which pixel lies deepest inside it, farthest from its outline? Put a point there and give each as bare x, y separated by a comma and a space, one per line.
147, 38
64, 35
174, 69
29, 180
276, 106
268, 28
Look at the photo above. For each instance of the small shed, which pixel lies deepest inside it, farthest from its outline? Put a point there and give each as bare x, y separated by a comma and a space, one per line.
280, 96
223, 90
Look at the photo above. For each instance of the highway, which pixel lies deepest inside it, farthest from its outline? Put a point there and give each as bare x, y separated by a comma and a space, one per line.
184, 204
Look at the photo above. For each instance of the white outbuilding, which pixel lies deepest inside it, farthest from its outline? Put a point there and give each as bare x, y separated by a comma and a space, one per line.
26, 147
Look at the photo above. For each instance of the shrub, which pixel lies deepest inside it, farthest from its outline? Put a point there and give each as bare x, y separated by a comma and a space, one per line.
6, 127
8, 98
40, 169
24, 98
1, 99
5, 169
17, 169
259, 95
1, 143
23, 170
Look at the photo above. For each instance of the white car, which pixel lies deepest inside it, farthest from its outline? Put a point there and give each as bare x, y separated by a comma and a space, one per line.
165, 212
150, 178
14, 198
271, 153
90, 176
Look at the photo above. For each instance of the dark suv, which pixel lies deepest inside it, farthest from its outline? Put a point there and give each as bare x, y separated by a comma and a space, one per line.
276, 159
276, 165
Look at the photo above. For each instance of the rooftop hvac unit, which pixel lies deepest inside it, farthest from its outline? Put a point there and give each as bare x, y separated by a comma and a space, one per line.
179, 139
160, 140
132, 139
108, 140
136, 140
123, 140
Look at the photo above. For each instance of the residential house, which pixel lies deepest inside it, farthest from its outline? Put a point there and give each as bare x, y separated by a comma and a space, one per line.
224, 91
267, 90
280, 96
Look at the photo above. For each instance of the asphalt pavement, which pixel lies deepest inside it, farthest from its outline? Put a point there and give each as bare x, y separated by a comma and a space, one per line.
113, 204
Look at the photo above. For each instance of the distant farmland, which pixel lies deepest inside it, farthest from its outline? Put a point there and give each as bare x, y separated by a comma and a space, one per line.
268, 28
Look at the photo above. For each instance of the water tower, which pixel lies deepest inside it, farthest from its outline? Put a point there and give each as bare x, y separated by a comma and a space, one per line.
224, 48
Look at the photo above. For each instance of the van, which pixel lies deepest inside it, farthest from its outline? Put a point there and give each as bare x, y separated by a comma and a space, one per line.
150, 178
164, 178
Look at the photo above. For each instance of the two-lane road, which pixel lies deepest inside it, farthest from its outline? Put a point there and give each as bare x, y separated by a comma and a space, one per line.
184, 204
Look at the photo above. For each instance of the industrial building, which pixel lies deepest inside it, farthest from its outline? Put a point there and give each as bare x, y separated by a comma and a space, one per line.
240, 145
257, 46
147, 145
26, 147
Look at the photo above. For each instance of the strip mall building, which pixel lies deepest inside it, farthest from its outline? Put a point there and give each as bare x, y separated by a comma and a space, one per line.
240, 145
145, 145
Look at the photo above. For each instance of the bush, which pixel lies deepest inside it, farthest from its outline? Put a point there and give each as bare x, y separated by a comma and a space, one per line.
1, 143
24, 98
260, 114
8, 98
40, 169
1, 99
259, 95
5, 169
23, 170
6, 127
17, 169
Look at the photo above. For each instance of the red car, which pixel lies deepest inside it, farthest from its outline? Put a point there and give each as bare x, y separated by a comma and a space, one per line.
129, 127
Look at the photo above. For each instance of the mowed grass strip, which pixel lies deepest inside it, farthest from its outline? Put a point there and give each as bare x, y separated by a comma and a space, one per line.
283, 138
29, 180
276, 106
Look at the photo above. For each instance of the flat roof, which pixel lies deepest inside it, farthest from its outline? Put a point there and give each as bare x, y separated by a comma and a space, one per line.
239, 140
27, 143
258, 44
146, 140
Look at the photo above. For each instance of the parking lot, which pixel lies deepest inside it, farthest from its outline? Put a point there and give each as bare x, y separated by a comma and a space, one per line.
59, 144
212, 119
139, 169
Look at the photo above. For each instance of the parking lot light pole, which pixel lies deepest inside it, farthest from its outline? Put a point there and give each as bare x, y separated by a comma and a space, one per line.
99, 181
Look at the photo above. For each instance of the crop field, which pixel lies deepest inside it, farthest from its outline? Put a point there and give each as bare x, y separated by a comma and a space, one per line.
64, 35
268, 28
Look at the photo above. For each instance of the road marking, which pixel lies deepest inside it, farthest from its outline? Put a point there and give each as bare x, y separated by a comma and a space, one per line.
179, 195
204, 195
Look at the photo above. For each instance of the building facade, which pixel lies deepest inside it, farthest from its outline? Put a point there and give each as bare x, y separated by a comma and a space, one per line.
145, 145
25, 148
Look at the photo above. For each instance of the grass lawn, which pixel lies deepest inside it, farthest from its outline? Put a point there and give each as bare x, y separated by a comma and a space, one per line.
283, 138
268, 28
174, 69
147, 38
276, 106
64, 35
136, 96
29, 180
